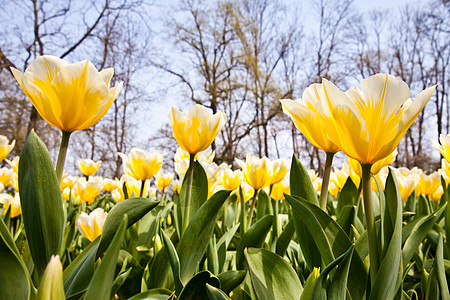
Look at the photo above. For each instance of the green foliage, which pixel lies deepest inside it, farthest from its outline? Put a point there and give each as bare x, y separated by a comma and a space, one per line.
40, 198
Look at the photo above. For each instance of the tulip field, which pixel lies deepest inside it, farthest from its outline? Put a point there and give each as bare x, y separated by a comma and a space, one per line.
260, 229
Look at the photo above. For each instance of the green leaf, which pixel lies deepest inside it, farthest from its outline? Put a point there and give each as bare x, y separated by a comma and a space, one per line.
40, 198
330, 240
338, 288
101, 283
231, 279
338, 285
215, 293
440, 269
153, 294
174, 262
272, 276
310, 283
80, 271
285, 238
417, 231
222, 245
15, 282
300, 182
301, 186
134, 208
385, 285
120, 280
51, 285
196, 287
346, 218
199, 188
254, 237
195, 240
264, 206
347, 196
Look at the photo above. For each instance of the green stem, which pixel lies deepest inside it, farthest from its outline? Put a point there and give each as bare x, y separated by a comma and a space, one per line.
326, 181
242, 226
142, 188
62, 155
250, 216
187, 203
276, 230
370, 221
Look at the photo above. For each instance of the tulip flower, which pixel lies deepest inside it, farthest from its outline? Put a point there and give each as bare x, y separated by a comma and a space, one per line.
140, 164
163, 180
443, 146
5, 147
89, 167
230, 179
86, 191
196, 130
6, 175
12, 203
91, 225
69, 97
367, 125
279, 170
257, 171
307, 114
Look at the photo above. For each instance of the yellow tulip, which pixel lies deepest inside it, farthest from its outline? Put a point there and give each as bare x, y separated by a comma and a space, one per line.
117, 195
68, 96
89, 167
257, 171
133, 186
368, 124
86, 191
247, 192
110, 184
14, 164
5, 148
6, 175
12, 203
91, 226
376, 167
163, 180
443, 146
280, 188
231, 180
196, 130
279, 170
406, 184
141, 165
437, 195
428, 184
176, 185
306, 113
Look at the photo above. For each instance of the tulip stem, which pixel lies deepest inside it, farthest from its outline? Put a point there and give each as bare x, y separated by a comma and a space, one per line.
326, 181
370, 221
242, 226
187, 203
250, 216
142, 188
62, 155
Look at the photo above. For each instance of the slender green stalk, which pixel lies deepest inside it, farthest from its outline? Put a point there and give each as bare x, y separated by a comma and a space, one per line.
187, 203
326, 181
242, 226
142, 188
250, 216
370, 221
276, 230
62, 155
